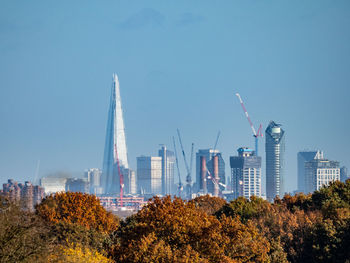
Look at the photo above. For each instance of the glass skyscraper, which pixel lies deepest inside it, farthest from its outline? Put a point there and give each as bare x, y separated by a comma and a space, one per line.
304, 157
168, 164
274, 147
115, 146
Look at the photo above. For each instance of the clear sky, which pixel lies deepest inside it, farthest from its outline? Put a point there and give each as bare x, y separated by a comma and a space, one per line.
179, 65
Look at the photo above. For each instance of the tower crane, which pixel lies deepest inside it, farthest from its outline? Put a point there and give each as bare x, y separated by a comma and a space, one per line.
216, 142
188, 177
180, 186
255, 134
210, 176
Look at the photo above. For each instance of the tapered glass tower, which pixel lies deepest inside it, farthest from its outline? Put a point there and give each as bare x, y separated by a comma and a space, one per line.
274, 148
115, 152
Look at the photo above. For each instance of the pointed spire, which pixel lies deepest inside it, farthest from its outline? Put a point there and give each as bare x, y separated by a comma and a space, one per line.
115, 145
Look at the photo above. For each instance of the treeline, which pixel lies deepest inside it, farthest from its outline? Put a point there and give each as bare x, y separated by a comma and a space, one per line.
74, 227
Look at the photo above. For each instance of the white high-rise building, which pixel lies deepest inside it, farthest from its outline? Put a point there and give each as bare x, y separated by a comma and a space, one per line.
115, 153
319, 173
246, 173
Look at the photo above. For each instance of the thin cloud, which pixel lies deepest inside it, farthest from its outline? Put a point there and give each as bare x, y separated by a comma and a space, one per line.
189, 19
143, 18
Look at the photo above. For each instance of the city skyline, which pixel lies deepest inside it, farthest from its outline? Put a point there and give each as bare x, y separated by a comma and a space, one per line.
179, 67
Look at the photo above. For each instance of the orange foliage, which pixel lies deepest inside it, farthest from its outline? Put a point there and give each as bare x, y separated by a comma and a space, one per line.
176, 231
208, 204
77, 208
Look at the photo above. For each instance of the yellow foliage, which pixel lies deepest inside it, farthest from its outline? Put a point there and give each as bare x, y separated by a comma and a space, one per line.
77, 254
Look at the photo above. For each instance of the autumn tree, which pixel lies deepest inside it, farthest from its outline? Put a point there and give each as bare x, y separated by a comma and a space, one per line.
24, 237
77, 208
64, 234
75, 253
177, 231
208, 204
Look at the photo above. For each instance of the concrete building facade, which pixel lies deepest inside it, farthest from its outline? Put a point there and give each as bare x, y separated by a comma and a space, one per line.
93, 176
149, 175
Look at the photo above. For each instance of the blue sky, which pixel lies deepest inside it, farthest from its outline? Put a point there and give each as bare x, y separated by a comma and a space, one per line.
179, 64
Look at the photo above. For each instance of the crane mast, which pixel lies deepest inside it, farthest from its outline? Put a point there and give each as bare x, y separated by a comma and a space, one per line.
188, 177
180, 187
255, 134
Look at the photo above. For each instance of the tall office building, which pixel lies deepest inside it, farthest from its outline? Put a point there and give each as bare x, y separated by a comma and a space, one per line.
115, 152
93, 176
206, 166
344, 174
168, 164
245, 173
304, 157
320, 172
149, 175
274, 147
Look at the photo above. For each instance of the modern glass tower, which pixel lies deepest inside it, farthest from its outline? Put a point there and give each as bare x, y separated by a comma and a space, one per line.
304, 157
115, 145
168, 165
274, 147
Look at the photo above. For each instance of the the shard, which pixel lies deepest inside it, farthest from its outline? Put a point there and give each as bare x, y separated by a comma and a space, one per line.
115, 153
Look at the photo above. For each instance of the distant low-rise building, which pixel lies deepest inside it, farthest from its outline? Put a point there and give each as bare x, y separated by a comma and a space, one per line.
53, 184
77, 185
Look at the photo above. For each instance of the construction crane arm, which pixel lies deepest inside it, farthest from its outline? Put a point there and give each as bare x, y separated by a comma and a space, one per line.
216, 142
246, 114
191, 161
183, 152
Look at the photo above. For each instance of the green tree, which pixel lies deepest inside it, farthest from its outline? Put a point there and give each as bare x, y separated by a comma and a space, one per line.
24, 237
